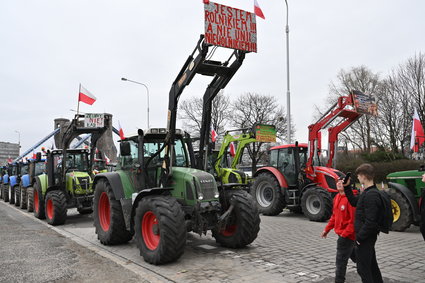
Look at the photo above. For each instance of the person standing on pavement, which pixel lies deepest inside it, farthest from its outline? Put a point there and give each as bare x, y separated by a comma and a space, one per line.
342, 221
368, 215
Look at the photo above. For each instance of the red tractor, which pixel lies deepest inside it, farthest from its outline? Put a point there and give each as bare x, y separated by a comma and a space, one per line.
294, 178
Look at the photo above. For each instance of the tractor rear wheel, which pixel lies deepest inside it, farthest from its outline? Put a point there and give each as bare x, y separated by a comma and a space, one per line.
316, 204
11, 195
38, 202
23, 198
160, 229
17, 196
30, 199
402, 212
267, 194
108, 216
5, 193
242, 225
56, 207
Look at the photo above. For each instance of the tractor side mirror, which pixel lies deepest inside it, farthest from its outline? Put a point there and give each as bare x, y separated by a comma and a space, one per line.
125, 149
422, 168
38, 157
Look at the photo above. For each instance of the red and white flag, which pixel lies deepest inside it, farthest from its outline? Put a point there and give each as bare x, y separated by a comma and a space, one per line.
86, 96
121, 131
232, 149
107, 159
34, 155
213, 135
418, 136
257, 10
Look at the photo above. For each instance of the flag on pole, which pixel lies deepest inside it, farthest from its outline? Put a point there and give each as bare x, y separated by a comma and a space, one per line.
257, 10
213, 135
418, 136
34, 155
232, 149
121, 131
86, 96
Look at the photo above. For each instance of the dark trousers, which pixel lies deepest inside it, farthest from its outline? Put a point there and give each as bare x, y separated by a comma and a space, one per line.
344, 250
367, 266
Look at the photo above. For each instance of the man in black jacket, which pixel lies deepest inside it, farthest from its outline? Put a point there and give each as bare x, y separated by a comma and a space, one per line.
368, 215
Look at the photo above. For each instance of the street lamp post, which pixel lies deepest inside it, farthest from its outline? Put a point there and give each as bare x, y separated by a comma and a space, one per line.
19, 141
288, 92
147, 90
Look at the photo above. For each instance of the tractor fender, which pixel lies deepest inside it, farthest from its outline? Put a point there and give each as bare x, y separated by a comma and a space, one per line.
139, 196
279, 176
410, 198
6, 179
115, 180
13, 181
25, 179
307, 187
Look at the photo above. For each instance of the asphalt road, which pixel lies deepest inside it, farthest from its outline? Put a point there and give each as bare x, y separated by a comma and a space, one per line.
288, 249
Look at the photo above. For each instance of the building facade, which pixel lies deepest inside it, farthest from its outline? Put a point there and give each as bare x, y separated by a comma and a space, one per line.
8, 150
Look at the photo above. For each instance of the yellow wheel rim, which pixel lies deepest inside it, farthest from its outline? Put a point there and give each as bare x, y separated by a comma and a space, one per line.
396, 210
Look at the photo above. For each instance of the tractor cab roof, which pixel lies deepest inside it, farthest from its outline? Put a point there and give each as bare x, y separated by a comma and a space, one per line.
288, 146
76, 150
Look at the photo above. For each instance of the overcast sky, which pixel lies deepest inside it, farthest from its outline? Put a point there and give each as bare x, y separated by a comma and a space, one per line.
48, 47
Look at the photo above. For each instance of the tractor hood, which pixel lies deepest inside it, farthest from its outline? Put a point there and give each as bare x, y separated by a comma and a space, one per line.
411, 174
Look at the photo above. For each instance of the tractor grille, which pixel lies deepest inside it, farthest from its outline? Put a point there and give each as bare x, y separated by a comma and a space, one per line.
208, 185
84, 182
331, 182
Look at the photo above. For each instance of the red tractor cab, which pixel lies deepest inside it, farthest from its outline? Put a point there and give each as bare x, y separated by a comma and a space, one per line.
294, 178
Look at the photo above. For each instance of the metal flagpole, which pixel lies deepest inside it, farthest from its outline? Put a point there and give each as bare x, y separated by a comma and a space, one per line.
78, 104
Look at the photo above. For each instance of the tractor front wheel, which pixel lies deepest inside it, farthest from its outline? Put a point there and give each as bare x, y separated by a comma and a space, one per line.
243, 223
160, 229
30, 199
402, 212
56, 207
316, 204
12, 195
17, 196
23, 197
5, 193
108, 216
38, 202
267, 194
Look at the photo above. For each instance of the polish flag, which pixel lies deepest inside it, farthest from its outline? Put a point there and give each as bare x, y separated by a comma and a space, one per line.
257, 10
213, 135
34, 155
107, 159
85, 96
121, 131
418, 136
232, 149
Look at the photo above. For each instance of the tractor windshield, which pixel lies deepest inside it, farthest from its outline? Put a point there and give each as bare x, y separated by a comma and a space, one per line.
180, 152
77, 161
40, 168
24, 169
15, 170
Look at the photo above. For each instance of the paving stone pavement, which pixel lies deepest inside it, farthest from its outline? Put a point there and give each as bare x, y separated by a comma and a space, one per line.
288, 249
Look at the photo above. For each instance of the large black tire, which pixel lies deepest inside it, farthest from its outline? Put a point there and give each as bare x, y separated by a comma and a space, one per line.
1, 190
56, 207
243, 224
11, 195
402, 212
23, 197
316, 204
38, 202
108, 216
30, 199
267, 194
160, 229
5, 193
17, 196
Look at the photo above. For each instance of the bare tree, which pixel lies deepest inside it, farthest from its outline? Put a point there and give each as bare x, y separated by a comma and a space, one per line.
251, 108
191, 113
360, 134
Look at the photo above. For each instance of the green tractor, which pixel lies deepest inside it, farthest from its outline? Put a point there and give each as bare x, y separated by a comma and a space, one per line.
55, 192
406, 190
227, 171
156, 193
68, 182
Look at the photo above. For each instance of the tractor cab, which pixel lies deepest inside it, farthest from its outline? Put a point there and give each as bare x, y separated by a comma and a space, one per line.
75, 175
290, 160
